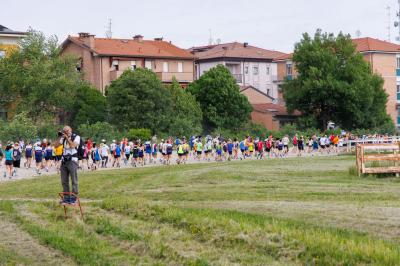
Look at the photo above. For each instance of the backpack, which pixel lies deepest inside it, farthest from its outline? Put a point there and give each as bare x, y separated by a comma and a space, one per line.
81, 151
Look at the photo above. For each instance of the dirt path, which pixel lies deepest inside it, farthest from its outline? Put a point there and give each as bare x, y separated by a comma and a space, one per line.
13, 238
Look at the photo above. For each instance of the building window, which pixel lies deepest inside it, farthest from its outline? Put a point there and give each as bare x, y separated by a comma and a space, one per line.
255, 70
165, 67
398, 62
289, 70
246, 70
147, 64
267, 71
133, 65
398, 92
180, 67
2, 54
115, 65
268, 92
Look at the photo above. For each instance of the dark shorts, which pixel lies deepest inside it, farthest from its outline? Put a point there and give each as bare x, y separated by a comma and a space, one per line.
230, 152
47, 158
117, 156
199, 153
181, 154
38, 159
9, 162
58, 158
242, 150
322, 146
17, 163
169, 152
127, 155
267, 149
301, 147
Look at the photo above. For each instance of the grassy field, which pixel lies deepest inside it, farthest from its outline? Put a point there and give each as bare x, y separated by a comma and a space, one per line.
307, 211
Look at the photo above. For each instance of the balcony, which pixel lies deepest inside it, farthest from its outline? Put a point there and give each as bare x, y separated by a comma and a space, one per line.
114, 74
180, 76
238, 78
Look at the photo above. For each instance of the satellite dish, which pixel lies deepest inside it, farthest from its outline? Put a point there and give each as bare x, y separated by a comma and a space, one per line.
396, 23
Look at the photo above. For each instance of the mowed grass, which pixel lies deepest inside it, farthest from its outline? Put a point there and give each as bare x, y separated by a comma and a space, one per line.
297, 211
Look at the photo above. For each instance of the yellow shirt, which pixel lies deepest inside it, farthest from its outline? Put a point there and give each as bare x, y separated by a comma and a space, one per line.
59, 150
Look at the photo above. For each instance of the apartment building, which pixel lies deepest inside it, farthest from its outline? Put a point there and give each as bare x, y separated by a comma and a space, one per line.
250, 65
9, 41
384, 58
103, 60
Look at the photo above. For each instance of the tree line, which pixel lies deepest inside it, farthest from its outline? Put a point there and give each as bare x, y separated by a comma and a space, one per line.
43, 91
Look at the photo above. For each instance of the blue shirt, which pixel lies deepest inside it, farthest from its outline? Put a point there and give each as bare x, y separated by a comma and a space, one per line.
230, 146
9, 155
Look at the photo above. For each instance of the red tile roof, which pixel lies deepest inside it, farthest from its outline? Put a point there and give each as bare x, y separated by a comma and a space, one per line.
362, 45
277, 109
135, 48
371, 44
233, 50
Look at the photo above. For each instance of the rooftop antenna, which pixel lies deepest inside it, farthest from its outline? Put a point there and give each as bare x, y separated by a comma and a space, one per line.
397, 22
389, 24
109, 31
210, 40
358, 33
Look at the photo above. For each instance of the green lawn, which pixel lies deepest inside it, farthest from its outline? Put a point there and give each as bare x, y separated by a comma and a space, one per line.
298, 211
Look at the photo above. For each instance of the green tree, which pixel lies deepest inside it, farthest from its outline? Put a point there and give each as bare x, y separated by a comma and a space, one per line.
90, 106
220, 99
186, 115
40, 82
335, 83
138, 99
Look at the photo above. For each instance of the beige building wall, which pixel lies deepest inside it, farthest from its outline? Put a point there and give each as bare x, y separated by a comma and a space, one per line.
266, 119
385, 65
256, 97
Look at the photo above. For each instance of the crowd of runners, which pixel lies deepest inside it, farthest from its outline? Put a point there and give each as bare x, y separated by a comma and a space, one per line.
42, 155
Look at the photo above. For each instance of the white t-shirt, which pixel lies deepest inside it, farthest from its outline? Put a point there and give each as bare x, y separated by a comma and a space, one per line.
71, 151
104, 150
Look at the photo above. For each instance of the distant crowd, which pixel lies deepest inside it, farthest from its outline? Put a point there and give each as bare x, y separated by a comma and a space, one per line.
42, 155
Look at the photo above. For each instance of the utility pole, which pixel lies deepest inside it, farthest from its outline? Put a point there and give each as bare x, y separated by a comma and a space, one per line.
397, 22
109, 29
389, 23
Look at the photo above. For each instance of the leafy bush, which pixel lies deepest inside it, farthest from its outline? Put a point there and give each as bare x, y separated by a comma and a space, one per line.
139, 133
18, 128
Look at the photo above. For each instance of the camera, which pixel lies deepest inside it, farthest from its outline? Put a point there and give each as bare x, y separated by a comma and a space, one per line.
60, 134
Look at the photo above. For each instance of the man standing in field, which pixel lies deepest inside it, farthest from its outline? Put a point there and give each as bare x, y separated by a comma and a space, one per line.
69, 162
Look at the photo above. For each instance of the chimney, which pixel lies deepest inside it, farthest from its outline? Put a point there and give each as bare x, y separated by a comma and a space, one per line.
138, 38
159, 39
87, 38
246, 44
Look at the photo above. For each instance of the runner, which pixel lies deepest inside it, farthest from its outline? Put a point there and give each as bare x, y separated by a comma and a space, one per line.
104, 153
135, 154
9, 161
127, 152
58, 152
28, 155
48, 155
38, 157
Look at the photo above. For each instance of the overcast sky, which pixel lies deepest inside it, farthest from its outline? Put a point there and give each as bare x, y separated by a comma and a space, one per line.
274, 25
